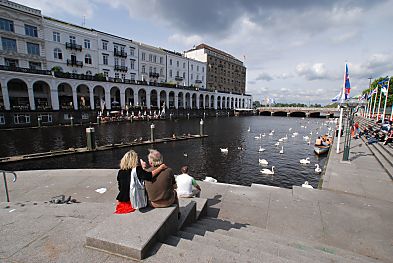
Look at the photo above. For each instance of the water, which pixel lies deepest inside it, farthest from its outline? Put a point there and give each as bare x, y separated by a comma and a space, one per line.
238, 166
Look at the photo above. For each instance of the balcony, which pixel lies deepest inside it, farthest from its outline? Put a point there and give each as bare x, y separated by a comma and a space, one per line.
121, 68
119, 53
73, 62
154, 75
73, 46
198, 81
178, 78
25, 70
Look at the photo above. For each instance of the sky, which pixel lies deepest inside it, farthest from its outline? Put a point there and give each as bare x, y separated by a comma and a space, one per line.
294, 51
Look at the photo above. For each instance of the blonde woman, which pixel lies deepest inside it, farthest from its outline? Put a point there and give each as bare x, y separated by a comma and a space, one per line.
128, 162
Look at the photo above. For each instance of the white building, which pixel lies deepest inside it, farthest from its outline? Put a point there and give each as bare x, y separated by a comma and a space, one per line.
152, 64
177, 68
196, 73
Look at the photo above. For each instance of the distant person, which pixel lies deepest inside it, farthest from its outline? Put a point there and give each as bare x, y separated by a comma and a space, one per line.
185, 182
389, 137
127, 164
161, 190
318, 141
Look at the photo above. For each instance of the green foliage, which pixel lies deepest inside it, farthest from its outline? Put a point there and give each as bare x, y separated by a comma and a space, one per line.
57, 69
373, 85
256, 104
99, 76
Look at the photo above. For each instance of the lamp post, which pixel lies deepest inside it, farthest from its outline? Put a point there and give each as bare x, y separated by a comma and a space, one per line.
352, 106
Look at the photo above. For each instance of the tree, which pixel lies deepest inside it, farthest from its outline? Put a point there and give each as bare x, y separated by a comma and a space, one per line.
256, 104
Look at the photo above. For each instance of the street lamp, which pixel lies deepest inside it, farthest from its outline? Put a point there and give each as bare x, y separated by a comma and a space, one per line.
352, 105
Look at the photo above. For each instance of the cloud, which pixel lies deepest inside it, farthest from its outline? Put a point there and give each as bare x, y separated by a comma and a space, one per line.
264, 76
312, 72
186, 41
375, 65
78, 8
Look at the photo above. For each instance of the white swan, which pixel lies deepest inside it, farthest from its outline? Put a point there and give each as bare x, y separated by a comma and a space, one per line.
263, 162
306, 185
286, 137
249, 129
317, 170
267, 171
271, 133
224, 150
306, 138
258, 137
210, 179
263, 135
295, 133
290, 129
305, 161
277, 144
282, 150
281, 139
261, 149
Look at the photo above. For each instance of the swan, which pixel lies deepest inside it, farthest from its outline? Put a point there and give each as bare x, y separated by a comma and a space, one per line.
185, 154
302, 126
290, 129
277, 144
305, 161
261, 149
249, 129
281, 140
295, 133
224, 150
306, 138
282, 150
317, 169
267, 171
286, 137
271, 133
258, 137
263, 135
210, 179
309, 142
306, 185
263, 162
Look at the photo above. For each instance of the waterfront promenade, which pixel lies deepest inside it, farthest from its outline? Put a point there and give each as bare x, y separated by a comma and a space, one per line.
351, 216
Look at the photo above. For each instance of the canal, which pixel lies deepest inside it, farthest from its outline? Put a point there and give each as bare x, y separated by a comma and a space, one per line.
240, 165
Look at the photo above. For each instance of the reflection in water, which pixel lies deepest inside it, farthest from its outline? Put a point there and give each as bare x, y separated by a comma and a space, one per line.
240, 165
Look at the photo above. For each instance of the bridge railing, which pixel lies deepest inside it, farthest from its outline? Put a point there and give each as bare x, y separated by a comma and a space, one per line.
296, 109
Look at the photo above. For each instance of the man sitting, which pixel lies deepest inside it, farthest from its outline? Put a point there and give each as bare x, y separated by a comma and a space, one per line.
184, 184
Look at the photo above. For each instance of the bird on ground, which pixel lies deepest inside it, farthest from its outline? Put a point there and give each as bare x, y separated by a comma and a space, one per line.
282, 150
224, 150
261, 149
306, 185
210, 179
263, 162
305, 161
317, 169
268, 171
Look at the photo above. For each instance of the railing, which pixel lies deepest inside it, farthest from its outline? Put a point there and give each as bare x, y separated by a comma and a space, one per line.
73, 46
25, 70
74, 63
119, 53
5, 182
154, 75
121, 68
178, 78
198, 81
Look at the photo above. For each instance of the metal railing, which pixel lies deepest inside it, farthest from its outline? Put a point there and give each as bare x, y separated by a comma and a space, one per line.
5, 181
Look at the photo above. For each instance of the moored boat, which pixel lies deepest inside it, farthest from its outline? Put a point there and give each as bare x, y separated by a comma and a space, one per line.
321, 149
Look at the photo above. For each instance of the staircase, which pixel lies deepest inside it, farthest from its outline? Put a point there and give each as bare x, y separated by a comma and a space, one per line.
217, 240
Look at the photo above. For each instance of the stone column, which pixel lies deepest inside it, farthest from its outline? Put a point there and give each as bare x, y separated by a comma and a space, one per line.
197, 101
136, 98
167, 100
176, 100
122, 99
91, 95
54, 94
148, 100
6, 97
31, 95
108, 103
75, 97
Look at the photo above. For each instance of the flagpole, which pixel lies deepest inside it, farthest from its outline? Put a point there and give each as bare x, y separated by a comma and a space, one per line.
375, 102
341, 111
386, 99
368, 101
379, 104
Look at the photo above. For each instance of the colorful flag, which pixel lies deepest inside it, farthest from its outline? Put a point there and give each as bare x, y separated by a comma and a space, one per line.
337, 97
384, 89
347, 84
375, 91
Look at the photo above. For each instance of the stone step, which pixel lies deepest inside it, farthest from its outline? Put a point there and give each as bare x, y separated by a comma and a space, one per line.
216, 252
263, 250
314, 250
132, 235
384, 161
187, 209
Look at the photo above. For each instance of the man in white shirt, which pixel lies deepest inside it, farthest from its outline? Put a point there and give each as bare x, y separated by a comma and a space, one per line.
185, 183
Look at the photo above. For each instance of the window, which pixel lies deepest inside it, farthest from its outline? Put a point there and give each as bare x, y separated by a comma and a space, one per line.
197, 68
115, 48
184, 64
56, 36
150, 57
21, 118
123, 62
170, 62
9, 62
31, 31
184, 75
132, 76
73, 40
2, 119
192, 76
34, 65
122, 49
104, 45
161, 60
33, 49
45, 118
8, 44
87, 59
132, 64
161, 71
197, 77
177, 73
203, 69
150, 69
116, 75
6, 25
57, 54
88, 73
177, 63
143, 69
203, 78
170, 73
87, 43
154, 70
155, 59
123, 76
132, 51
192, 67
106, 73
105, 59
116, 61
143, 56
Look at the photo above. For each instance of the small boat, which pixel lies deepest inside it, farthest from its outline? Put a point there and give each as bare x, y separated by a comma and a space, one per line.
321, 149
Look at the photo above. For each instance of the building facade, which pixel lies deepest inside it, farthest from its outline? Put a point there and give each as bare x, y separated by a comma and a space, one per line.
225, 73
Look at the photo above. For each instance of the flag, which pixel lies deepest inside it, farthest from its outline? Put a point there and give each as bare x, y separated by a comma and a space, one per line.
370, 94
347, 84
375, 91
337, 97
384, 80
384, 89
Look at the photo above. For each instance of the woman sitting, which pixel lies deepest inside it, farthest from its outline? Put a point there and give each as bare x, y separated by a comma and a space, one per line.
127, 163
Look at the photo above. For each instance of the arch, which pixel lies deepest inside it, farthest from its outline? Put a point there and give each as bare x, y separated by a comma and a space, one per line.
188, 101
194, 101
42, 97
201, 101
219, 102
223, 103
279, 113
297, 114
180, 100
99, 97
142, 97
65, 96
163, 99
83, 97
129, 94
212, 102
243, 102
18, 94
115, 98
153, 99
315, 115
207, 101
265, 113
1, 98
236, 105
171, 99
